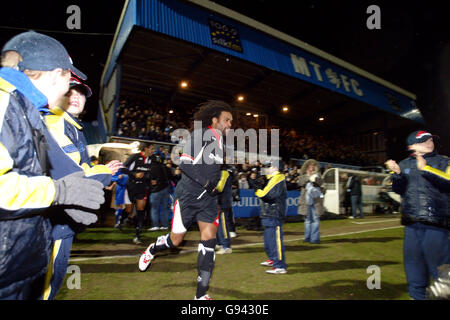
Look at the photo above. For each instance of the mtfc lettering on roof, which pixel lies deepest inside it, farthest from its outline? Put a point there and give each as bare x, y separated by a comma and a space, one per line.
313, 69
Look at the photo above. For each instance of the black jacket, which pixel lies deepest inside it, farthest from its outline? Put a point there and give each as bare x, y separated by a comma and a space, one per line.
424, 192
355, 186
159, 173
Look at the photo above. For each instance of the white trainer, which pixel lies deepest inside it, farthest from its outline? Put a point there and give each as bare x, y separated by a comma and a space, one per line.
224, 250
205, 297
146, 258
277, 271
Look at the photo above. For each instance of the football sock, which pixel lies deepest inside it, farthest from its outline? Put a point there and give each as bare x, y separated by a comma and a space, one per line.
162, 243
205, 261
140, 215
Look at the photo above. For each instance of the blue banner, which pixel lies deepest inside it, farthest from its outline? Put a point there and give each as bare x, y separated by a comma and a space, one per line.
249, 206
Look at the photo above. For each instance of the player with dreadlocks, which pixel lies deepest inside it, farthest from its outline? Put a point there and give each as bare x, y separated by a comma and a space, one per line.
196, 192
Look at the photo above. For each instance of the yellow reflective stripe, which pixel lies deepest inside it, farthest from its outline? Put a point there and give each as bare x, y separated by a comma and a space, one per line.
58, 111
20, 191
50, 270
224, 225
4, 100
6, 86
97, 169
444, 175
223, 179
276, 179
55, 124
71, 121
280, 254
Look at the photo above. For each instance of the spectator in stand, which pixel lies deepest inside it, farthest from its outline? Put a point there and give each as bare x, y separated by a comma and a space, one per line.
243, 183
254, 176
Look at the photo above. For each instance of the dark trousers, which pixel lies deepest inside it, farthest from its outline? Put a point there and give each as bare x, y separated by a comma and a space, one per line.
223, 232
425, 248
273, 241
357, 204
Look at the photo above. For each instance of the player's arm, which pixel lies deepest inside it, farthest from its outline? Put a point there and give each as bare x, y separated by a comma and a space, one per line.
224, 176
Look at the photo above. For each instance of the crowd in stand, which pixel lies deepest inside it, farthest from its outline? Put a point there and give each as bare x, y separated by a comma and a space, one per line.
151, 121
302, 145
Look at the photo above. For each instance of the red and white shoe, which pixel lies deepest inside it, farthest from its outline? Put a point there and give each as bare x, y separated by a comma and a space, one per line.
205, 297
146, 258
267, 263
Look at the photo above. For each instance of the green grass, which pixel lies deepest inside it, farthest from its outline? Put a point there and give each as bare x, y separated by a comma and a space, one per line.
336, 269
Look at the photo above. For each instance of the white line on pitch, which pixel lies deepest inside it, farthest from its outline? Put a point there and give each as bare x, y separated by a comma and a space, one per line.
369, 222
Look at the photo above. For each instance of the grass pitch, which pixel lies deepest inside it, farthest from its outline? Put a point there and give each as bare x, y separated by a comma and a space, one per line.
336, 269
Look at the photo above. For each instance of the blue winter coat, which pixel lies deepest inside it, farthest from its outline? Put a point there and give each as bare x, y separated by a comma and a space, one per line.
26, 192
424, 192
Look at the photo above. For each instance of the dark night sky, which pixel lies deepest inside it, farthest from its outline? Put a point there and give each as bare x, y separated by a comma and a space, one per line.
412, 49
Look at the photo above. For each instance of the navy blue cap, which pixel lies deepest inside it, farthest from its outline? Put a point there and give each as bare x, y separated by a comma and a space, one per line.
418, 136
41, 52
77, 84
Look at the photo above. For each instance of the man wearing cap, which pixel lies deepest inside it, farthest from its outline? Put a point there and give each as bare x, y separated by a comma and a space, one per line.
37, 179
67, 131
423, 181
273, 212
